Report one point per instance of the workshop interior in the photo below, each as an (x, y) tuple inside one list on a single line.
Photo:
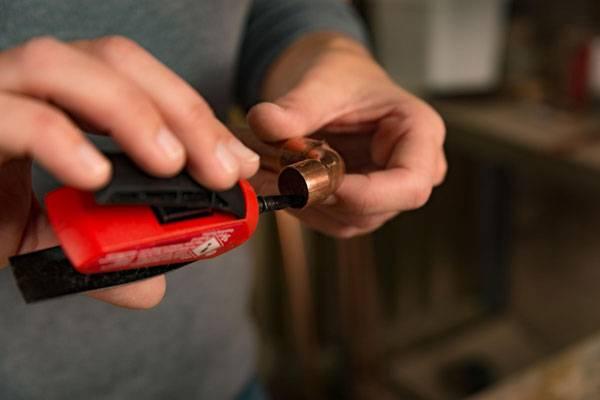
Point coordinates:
[(488, 292), (491, 290)]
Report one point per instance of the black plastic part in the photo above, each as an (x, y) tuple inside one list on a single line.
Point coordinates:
[(167, 215), (280, 202), (132, 186), (47, 274)]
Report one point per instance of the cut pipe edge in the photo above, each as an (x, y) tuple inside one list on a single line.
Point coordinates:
[(309, 179), (306, 167)]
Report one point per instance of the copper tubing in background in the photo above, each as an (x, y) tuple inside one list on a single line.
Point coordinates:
[(306, 167)]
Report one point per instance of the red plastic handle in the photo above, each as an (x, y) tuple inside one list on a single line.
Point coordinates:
[(102, 238)]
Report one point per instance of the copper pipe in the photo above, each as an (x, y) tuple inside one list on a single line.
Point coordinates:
[(306, 167)]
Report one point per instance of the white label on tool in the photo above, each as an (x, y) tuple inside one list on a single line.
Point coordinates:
[(207, 248), (206, 245)]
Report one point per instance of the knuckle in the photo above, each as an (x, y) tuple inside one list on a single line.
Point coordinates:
[(130, 104), (40, 45), (50, 126), (47, 121), (442, 171), (366, 223), (430, 121), (39, 54), (138, 108), (197, 113), (345, 233), (420, 195), (370, 224), (375, 224), (437, 125), (116, 47)]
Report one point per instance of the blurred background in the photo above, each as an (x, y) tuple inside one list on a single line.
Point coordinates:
[(493, 289)]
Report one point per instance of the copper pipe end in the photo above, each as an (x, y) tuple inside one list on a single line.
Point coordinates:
[(308, 178), (306, 167), (311, 169), (314, 178)]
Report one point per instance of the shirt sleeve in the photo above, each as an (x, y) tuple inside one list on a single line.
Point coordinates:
[(273, 25)]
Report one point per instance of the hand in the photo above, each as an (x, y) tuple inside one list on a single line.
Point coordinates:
[(47, 87), (391, 141)]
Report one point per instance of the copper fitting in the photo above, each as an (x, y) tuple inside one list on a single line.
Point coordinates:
[(306, 167)]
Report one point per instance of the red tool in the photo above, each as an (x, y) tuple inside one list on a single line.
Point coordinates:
[(136, 227), (102, 238)]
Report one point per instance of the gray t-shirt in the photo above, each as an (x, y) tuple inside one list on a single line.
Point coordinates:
[(198, 342)]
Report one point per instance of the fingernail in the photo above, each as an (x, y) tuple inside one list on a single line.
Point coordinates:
[(227, 160), (93, 162), (242, 152), (169, 144)]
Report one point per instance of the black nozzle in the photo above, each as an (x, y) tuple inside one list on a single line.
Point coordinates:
[(280, 202)]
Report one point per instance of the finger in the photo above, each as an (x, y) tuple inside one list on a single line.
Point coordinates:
[(329, 219), (312, 104), (317, 220), (393, 190), (410, 173), (215, 156), (32, 128), (390, 132), (410, 118), (441, 169), (332, 225), (139, 295), (366, 223), (48, 69)]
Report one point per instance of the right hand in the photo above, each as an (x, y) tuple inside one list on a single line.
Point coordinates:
[(48, 87)]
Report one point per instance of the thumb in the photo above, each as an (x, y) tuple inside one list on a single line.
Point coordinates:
[(308, 107)]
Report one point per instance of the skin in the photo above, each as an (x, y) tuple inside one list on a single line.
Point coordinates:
[(326, 83), (48, 88), (391, 141)]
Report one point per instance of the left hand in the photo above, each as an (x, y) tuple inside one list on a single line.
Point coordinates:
[(392, 142)]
